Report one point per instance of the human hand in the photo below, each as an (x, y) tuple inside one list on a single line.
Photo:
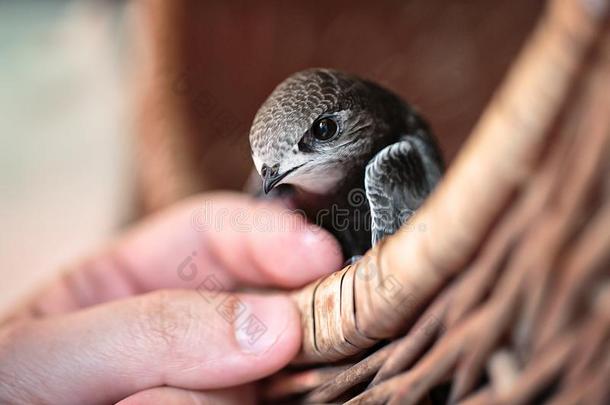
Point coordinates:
[(144, 320)]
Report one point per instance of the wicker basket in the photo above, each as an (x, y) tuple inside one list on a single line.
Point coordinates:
[(498, 290)]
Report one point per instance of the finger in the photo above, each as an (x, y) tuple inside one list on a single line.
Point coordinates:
[(243, 395), (180, 338), (229, 236), (263, 243)]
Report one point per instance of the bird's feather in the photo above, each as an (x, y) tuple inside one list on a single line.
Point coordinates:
[(397, 180)]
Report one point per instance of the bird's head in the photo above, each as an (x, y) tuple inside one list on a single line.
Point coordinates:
[(316, 126)]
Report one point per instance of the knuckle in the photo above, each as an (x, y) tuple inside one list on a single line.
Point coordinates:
[(165, 319)]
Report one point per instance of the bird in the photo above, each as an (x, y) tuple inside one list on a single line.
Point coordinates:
[(350, 154)]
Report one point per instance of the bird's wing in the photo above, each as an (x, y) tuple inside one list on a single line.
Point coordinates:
[(397, 180)]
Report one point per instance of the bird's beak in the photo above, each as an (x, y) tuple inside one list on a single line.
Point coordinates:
[(273, 177)]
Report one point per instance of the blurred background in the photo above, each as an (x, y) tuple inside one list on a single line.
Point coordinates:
[(66, 135), (110, 110)]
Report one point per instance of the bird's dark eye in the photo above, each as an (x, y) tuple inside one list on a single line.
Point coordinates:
[(324, 128)]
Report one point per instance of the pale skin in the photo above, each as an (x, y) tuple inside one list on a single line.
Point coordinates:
[(129, 324)]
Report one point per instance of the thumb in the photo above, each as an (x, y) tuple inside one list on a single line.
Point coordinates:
[(182, 338)]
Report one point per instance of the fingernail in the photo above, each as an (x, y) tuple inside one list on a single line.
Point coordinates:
[(327, 257), (266, 320)]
